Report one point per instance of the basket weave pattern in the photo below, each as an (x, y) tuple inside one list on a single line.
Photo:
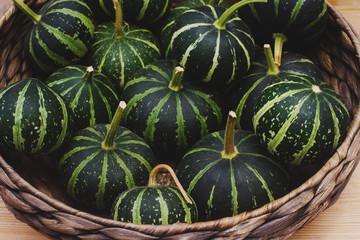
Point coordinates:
[(27, 196)]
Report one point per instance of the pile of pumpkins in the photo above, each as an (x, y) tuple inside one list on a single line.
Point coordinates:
[(145, 87)]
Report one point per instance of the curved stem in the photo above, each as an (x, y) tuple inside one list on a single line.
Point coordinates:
[(273, 68), (152, 179), (279, 42), (176, 79), (108, 143), (25, 9), (221, 22), (118, 33), (230, 150), (89, 74)]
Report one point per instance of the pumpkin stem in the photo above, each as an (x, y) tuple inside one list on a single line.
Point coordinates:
[(108, 143), (221, 22), (176, 79), (118, 33), (89, 74), (273, 68), (25, 9), (279, 42), (230, 150), (154, 172)]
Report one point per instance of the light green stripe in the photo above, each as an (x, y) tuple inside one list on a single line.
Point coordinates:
[(142, 10), (117, 204), (92, 107), (180, 131), (215, 62), (202, 119), (209, 203), (277, 139), (295, 12), (99, 195), (234, 192), (43, 115), (75, 102), (337, 133), (129, 179), (200, 150), (149, 44), (184, 205), (240, 42), (71, 152), (139, 157), (99, 67), (163, 208), (320, 16), (137, 207), (154, 118)]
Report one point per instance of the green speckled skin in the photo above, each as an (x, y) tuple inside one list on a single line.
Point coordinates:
[(33, 118), (169, 121), (92, 101), (153, 205), (120, 58), (95, 177), (226, 187), (62, 37), (298, 124), (242, 94)]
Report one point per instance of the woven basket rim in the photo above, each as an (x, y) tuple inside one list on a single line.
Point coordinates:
[(17, 182)]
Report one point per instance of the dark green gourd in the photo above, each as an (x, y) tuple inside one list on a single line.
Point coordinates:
[(229, 172), (299, 23), (89, 94), (212, 43), (242, 94), (61, 35), (119, 49), (104, 160), (170, 111), (300, 120), (33, 118), (168, 21), (155, 204)]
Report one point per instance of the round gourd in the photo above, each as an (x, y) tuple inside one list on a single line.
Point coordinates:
[(104, 160), (120, 50), (168, 110), (229, 172), (61, 35), (89, 94), (242, 94), (33, 118), (299, 23), (168, 22), (300, 120), (155, 204), (212, 43)]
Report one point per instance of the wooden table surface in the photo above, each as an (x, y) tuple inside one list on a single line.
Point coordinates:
[(340, 221)]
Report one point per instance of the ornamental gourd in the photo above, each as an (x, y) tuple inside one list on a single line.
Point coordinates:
[(155, 204), (229, 172), (103, 160), (297, 23), (89, 94), (170, 111), (33, 118), (241, 96), (300, 120), (213, 44), (62, 33), (119, 49)]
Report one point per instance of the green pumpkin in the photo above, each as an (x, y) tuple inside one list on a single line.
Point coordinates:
[(169, 110), (104, 160), (33, 118), (120, 50), (89, 94), (241, 96), (155, 204), (300, 120), (61, 35), (213, 44), (230, 172)]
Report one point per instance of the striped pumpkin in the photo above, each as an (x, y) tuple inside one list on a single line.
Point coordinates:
[(300, 120), (213, 44), (168, 22), (33, 118), (299, 23), (102, 161), (61, 35), (168, 110), (229, 172), (89, 94), (154, 204), (120, 50), (241, 96)]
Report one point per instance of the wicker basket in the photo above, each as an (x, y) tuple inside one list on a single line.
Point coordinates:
[(35, 198)]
